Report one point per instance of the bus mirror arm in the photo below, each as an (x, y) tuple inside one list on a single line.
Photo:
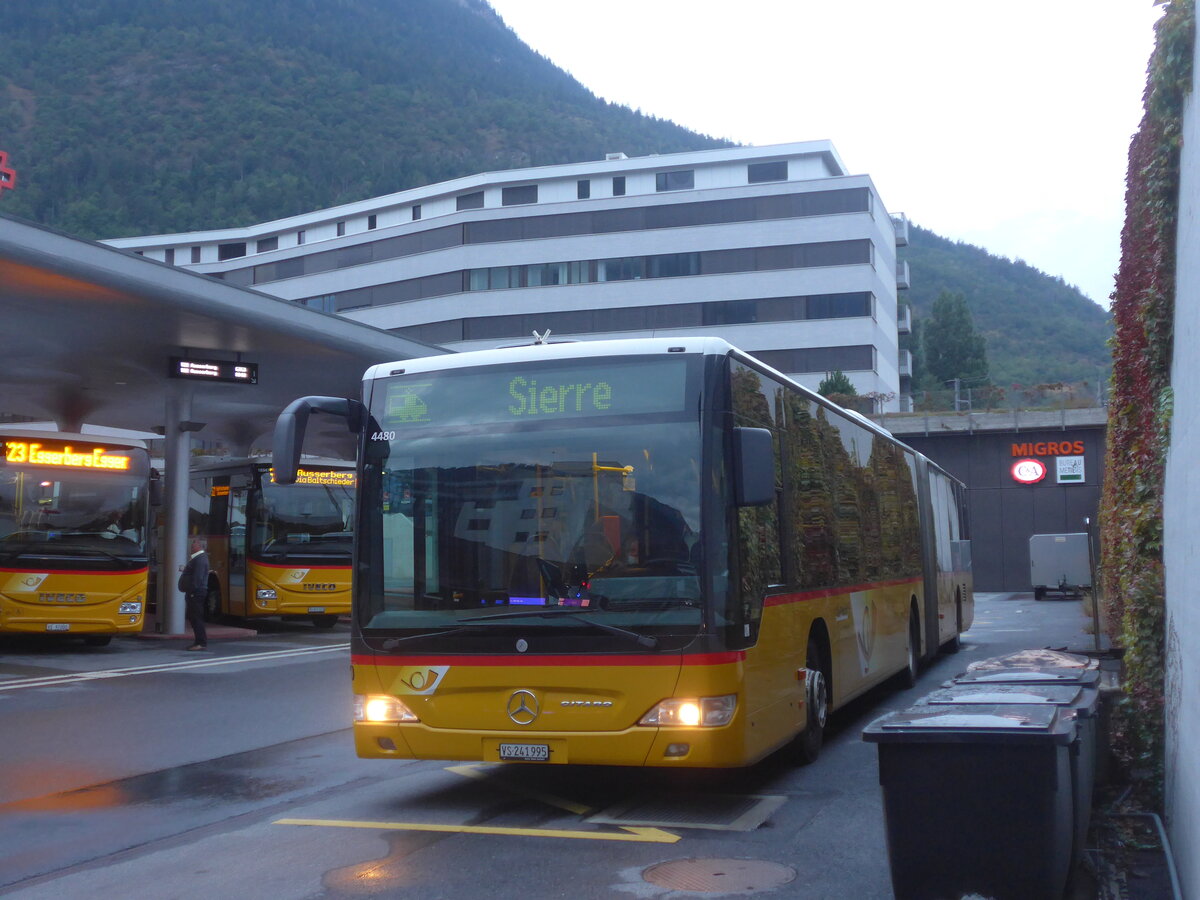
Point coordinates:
[(754, 466), (293, 422)]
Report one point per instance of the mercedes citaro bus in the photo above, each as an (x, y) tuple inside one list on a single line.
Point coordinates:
[(74, 527), (643, 552), (275, 550)]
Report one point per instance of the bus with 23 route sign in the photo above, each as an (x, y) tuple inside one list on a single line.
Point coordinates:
[(74, 532)]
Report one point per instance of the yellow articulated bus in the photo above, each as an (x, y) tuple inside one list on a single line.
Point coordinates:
[(275, 550), (74, 514), (644, 553)]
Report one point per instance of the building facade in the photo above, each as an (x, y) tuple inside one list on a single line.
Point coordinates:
[(775, 249), (1008, 499)]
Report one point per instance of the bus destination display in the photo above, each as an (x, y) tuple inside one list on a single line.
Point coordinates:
[(537, 393), (41, 453), (338, 477)]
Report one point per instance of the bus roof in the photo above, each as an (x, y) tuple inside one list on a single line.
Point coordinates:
[(708, 346), (16, 431), (541, 352)]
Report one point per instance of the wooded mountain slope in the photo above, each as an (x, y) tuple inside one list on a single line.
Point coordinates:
[(142, 116), (127, 117), (1038, 328)]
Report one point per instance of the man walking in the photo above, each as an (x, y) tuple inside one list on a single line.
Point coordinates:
[(193, 581)]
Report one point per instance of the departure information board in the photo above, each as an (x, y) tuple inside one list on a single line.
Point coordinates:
[(213, 370)]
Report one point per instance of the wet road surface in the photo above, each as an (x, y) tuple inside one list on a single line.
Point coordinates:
[(239, 779)]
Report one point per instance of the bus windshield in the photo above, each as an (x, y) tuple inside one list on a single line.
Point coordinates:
[(483, 526), (86, 514), (312, 518)]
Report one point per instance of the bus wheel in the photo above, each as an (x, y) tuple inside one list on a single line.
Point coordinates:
[(212, 604), (98, 640), (808, 743), (955, 643), (909, 676), (324, 621)]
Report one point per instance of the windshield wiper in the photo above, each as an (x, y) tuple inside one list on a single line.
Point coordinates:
[(640, 639), (393, 643)]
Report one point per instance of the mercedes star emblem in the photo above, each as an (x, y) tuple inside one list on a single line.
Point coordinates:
[(523, 707)]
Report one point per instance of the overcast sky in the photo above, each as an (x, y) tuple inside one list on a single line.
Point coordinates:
[(1006, 125)]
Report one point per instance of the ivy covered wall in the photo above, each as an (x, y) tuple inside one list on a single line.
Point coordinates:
[(1141, 400)]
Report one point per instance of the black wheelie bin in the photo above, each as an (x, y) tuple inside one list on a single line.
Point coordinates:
[(978, 798), (1076, 700)]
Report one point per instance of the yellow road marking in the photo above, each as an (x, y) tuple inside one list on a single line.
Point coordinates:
[(638, 835), (484, 774)]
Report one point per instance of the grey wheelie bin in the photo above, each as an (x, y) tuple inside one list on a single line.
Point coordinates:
[(977, 799), (1081, 702)]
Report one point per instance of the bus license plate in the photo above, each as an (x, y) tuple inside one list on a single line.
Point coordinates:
[(58, 626), (527, 752), (316, 609)]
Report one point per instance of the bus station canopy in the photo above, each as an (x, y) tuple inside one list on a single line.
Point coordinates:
[(89, 333)]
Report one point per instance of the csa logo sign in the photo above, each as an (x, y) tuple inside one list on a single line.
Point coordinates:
[(1028, 471)]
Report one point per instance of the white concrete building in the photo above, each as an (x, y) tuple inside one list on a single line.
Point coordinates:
[(775, 249), (1181, 541)]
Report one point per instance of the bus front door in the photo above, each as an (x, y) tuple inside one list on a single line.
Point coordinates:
[(237, 550)]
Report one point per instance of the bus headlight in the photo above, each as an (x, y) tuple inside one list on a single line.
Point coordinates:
[(381, 709), (265, 593), (130, 609), (703, 712)]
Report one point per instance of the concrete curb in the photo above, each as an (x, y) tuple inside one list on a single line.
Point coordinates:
[(214, 633)]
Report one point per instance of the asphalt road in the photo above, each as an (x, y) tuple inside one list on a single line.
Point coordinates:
[(140, 770)]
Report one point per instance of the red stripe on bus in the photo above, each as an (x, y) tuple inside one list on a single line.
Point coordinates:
[(73, 572), (783, 599), (689, 659)]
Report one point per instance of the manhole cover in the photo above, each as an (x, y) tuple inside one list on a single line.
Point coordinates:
[(719, 876)]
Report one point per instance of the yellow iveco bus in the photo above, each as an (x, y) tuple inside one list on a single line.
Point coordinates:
[(74, 514), (275, 550), (642, 552)]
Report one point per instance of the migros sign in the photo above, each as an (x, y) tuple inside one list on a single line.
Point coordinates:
[(1049, 448)]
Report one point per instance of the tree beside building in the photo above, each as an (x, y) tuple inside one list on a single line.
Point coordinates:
[(951, 346)]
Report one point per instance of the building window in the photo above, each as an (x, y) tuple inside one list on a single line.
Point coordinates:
[(169, 256), (267, 244), (683, 180), (300, 237), (583, 188), (195, 254), (341, 228), (416, 212), (328, 303), (859, 358), (372, 222), (757, 173), (618, 185), (231, 251), (516, 196), (469, 201)]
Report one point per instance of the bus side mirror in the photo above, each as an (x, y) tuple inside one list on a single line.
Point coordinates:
[(753, 466), (292, 423), (156, 488)]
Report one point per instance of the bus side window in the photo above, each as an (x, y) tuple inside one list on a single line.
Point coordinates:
[(755, 404)]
